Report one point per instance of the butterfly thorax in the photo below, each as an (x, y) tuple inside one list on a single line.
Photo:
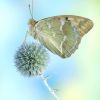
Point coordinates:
[(32, 24)]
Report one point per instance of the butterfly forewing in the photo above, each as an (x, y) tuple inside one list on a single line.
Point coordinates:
[(62, 34)]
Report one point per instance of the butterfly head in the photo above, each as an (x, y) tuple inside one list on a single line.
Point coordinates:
[(31, 22)]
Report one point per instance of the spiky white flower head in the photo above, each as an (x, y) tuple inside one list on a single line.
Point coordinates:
[(31, 59)]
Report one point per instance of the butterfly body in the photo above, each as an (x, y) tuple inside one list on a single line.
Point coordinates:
[(60, 34)]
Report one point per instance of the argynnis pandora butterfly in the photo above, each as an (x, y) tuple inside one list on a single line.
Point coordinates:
[(60, 34)]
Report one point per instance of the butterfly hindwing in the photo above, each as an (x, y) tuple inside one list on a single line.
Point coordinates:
[(62, 34)]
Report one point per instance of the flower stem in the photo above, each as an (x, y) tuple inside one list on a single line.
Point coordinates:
[(49, 88)]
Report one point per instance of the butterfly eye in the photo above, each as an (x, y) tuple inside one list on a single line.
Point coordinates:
[(66, 18)]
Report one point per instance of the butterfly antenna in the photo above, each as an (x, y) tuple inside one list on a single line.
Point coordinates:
[(32, 8), (31, 12)]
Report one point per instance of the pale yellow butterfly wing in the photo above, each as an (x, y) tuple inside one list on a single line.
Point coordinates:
[(62, 34)]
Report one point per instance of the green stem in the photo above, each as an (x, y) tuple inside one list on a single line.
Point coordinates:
[(49, 88)]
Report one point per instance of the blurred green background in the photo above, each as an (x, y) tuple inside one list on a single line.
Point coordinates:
[(76, 78)]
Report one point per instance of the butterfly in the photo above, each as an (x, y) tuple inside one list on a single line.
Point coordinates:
[(60, 34)]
